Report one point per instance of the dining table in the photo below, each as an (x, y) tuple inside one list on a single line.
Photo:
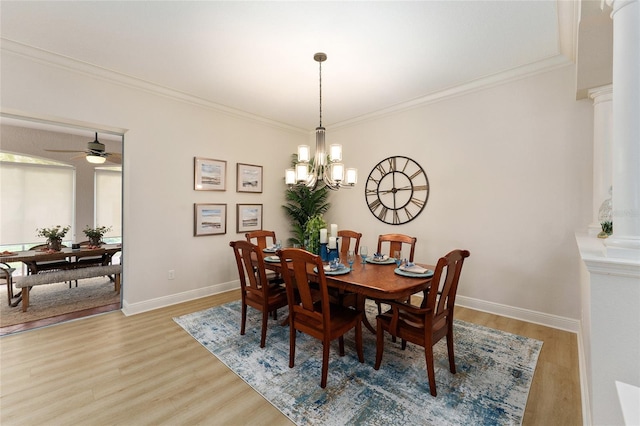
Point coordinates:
[(380, 281), (31, 257)]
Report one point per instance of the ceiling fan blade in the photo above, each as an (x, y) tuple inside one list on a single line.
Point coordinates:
[(115, 159), (62, 150), (76, 157)]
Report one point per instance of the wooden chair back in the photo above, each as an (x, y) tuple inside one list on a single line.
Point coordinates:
[(260, 238), (310, 310), (254, 287), (348, 237), (395, 242), (432, 320)]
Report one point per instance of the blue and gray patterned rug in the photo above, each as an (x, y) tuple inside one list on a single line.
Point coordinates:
[(491, 386)]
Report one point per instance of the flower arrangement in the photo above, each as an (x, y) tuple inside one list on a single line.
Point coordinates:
[(95, 234), (55, 233)]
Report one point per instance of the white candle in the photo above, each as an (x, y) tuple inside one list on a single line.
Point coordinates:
[(334, 230), (323, 235), (332, 242)]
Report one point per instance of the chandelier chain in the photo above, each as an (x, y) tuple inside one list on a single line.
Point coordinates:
[(320, 94)]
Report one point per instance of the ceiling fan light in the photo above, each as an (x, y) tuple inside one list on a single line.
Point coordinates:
[(95, 159)]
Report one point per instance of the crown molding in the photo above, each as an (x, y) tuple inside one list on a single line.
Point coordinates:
[(93, 71), (518, 73), (74, 65)]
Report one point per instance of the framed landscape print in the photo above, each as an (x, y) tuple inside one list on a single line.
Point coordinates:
[(248, 217), (249, 178), (210, 219), (209, 174)]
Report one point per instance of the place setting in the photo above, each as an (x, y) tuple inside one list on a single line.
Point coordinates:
[(410, 269), (334, 267)]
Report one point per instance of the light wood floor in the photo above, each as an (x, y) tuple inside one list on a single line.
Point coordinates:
[(145, 370)]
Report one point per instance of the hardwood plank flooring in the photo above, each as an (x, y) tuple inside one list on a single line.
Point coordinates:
[(145, 370)]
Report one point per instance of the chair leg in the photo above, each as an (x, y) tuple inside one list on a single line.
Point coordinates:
[(263, 333), (428, 354), (359, 342), (452, 361), (243, 321), (292, 343), (325, 363), (379, 344), (341, 345)]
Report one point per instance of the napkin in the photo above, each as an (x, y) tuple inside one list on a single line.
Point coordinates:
[(412, 267), (327, 268), (380, 257)]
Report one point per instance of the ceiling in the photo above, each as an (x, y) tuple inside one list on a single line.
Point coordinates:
[(257, 57)]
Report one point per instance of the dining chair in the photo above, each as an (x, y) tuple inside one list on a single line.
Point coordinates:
[(426, 324), (49, 265), (310, 310), (346, 238), (6, 274), (87, 261), (254, 286), (259, 238), (396, 242)]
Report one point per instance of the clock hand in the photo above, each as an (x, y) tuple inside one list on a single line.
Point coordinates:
[(404, 188)]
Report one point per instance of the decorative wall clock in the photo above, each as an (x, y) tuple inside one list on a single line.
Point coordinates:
[(397, 190)]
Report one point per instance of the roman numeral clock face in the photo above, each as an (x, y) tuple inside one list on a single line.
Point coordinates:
[(397, 190)]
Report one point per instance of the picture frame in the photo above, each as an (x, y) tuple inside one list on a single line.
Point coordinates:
[(209, 219), (248, 217), (248, 178), (209, 174)]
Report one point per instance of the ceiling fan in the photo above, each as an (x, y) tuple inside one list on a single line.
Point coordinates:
[(95, 153)]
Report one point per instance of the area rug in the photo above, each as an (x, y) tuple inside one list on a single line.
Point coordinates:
[(494, 373), (50, 300)]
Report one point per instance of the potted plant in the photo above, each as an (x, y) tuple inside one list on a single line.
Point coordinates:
[(95, 234), (54, 236), (303, 204)]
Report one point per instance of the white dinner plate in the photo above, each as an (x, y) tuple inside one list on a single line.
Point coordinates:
[(274, 259), (342, 271), (413, 274), (387, 261)]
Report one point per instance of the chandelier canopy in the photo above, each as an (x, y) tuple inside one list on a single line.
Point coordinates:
[(327, 165)]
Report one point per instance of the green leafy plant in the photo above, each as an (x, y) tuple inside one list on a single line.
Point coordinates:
[(54, 233), (312, 233), (96, 234), (303, 204), (607, 227)]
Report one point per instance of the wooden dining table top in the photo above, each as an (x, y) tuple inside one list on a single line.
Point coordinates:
[(29, 256), (372, 280)]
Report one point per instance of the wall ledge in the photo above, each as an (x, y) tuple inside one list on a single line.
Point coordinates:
[(595, 255)]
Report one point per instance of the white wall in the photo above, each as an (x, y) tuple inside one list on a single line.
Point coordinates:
[(509, 168), (162, 139)]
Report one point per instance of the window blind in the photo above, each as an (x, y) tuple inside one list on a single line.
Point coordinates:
[(34, 196)]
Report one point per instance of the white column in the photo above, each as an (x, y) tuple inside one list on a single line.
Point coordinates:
[(625, 241), (602, 136)]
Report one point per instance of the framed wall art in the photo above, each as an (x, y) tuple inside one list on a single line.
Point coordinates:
[(209, 219), (209, 174), (248, 178), (248, 217)]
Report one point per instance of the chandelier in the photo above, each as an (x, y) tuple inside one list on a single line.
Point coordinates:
[(326, 166)]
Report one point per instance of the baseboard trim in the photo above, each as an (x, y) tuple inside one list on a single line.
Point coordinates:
[(553, 321), (173, 299)]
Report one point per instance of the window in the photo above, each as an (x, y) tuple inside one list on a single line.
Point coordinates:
[(108, 202), (35, 194)]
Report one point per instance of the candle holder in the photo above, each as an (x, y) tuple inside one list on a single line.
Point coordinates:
[(333, 253), (324, 255)]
